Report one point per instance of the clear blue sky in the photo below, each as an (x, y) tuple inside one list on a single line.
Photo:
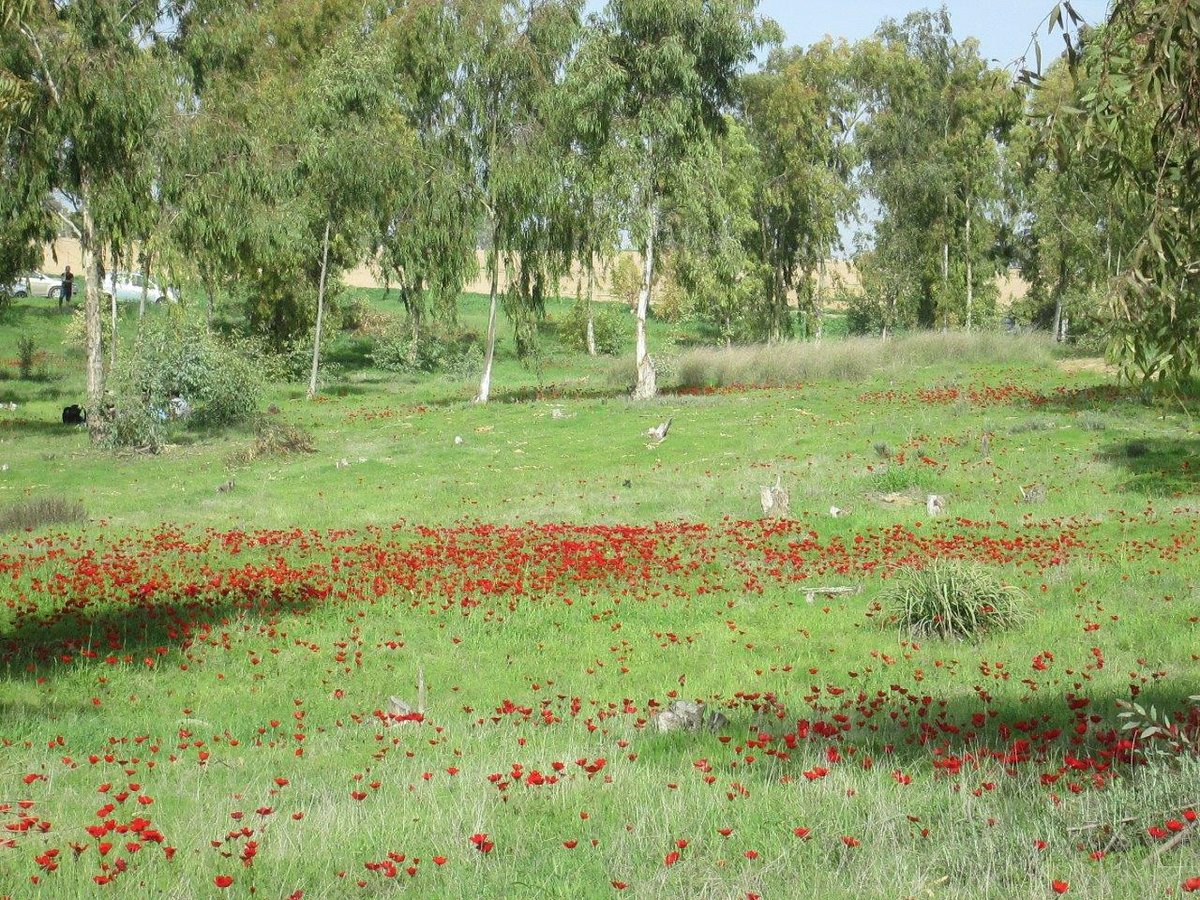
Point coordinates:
[(1002, 26)]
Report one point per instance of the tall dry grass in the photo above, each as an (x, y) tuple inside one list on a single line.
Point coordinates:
[(855, 359)]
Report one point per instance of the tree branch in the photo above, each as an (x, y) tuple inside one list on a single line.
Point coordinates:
[(58, 212), (37, 48)]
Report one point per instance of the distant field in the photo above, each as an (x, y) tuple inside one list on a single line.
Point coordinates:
[(195, 686)]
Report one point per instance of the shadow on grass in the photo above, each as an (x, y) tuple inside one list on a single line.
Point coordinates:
[(37, 428), (1157, 467)]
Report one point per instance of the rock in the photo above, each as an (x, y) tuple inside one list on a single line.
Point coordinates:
[(659, 431), (342, 463), (1033, 493), (687, 715), (935, 504), (458, 440), (776, 503)]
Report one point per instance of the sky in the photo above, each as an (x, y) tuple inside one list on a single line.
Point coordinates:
[(1003, 27)]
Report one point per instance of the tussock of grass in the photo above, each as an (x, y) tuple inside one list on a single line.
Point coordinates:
[(953, 599), (274, 439), (39, 512), (853, 359)]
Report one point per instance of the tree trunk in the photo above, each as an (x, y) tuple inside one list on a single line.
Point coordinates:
[(485, 383), (818, 318), (591, 322), (112, 343), (1060, 291), (312, 380), (91, 304), (210, 295), (647, 386), (970, 286), (145, 283)]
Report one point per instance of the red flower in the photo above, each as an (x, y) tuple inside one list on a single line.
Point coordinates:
[(223, 881), (850, 841), (1060, 887), (1191, 885), (481, 843), (671, 858), (801, 832)]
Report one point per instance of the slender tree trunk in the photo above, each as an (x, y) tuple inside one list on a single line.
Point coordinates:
[(91, 302), (970, 286), (591, 322), (485, 383), (145, 283), (1060, 291), (312, 380), (210, 296), (818, 316), (647, 385)]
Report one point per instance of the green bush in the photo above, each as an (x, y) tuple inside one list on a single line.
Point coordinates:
[(174, 355), (26, 355), (430, 351), (608, 327), (952, 599)]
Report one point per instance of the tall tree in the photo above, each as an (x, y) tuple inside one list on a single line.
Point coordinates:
[(932, 148), (801, 110), (674, 66), (515, 62), (97, 90)]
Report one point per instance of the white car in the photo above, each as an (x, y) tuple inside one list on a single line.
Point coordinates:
[(43, 285), (16, 289), (127, 288)]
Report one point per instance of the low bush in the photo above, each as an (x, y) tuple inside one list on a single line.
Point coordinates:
[(952, 599), (38, 512), (173, 356), (456, 354), (608, 327), (274, 439)]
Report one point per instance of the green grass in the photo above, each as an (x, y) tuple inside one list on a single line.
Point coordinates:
[(184, 636)]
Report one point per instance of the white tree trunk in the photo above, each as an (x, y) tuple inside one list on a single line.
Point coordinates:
[(316, 362), (91, 304), (112, 343), (591, 322), (970, 286), (485, 383), (647, 386), (145, 283)]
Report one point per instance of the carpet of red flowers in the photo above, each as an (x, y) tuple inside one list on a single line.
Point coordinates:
[(170, 602)]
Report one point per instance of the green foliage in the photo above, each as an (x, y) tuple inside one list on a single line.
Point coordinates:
[(172, 356), (951, 598), (455, 353), (609, 329), (26, 355), (626, 279)]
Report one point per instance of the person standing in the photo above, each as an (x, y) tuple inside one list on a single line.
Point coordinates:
[(68, 287)]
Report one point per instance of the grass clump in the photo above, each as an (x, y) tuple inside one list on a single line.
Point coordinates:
[(274, 439), (953, 599), (853, 359), (38, 512)]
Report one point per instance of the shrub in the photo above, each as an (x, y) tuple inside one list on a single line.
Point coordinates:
[(455, 353), (626, 280), (75, 332), (26, 354), (40, 512), (608, 321), (173, 356), (952, 599), (272, 438)]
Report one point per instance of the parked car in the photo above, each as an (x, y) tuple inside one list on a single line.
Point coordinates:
[(127, 288), (43, 285), (18, 288)]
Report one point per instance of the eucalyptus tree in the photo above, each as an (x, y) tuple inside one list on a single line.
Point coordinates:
[(351, 143), (801, 111), (95, 90), (714, 237), (426, 231), (931, 146), (516, 60), (1139, 115), (672, 72)]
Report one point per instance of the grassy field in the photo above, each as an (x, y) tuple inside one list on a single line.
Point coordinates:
[(195, 682)]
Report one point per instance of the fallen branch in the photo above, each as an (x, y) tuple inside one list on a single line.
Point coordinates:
[(811, 593), (1179, 838)]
